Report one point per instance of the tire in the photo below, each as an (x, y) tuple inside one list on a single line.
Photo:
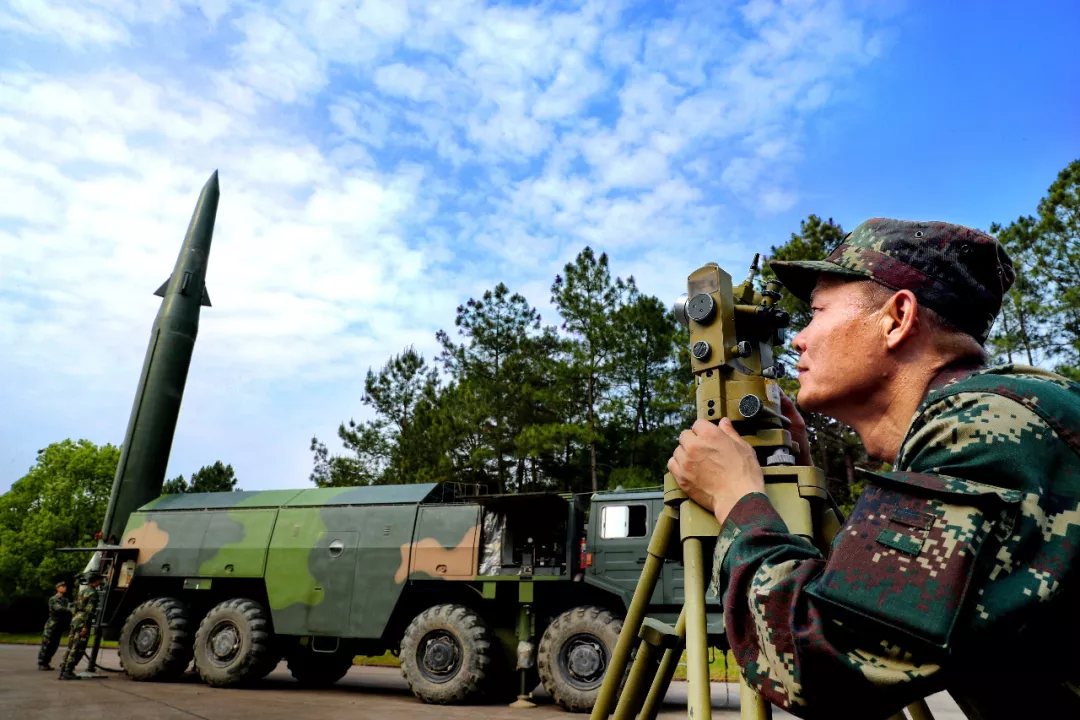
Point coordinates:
[(574, 654), (156, 642), (447, 654), (234, 644), (318, 670)]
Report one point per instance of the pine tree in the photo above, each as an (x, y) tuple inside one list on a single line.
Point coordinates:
[(493, 365), (587, 299), (209, 478)]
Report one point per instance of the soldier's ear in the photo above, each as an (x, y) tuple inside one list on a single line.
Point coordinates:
[(899, 318)]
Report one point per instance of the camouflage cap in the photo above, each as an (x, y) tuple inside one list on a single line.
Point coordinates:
[(61, 584), (960, 273)]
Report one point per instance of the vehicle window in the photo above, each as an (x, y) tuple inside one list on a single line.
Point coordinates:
[(624, 521), (639, 521)]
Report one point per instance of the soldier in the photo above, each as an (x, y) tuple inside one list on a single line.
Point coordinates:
[(957, 569), (82, 623), (59, 610)]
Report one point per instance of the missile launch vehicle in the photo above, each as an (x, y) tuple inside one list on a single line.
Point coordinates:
[(480, 596)]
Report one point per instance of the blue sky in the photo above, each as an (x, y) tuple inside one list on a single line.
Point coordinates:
[(381, 162)]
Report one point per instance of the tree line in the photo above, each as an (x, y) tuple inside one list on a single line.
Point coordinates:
[(597, 399)]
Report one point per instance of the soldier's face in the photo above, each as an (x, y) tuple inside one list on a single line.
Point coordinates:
[(840, 352)]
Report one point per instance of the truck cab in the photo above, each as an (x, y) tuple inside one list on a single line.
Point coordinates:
[(617, 540)]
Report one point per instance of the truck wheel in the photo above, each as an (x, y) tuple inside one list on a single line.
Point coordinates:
[(574, 654), (155, 642), (445, 654), (234, 644), (316, 669)]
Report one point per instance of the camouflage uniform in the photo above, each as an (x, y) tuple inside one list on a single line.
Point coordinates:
[(59, 610), (82, 625), (958, 569)]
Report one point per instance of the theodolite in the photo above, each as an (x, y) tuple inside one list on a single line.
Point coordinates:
[(733, 333)]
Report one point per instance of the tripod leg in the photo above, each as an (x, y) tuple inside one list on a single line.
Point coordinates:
[(697, 640), (640, 673), (751, 705), (635, 614), (662, 681), (656, 637)]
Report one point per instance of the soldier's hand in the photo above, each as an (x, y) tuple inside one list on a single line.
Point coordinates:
[(797, 429), (716, 467), (84, 633)]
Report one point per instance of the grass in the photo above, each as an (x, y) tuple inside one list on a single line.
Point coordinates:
[(384, 660), (716, 666)]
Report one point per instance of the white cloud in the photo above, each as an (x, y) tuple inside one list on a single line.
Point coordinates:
[(402, 81), (275, 61), (574, 83), (76, 24)]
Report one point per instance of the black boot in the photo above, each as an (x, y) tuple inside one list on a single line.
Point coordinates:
[(66, 674), (45, 667)]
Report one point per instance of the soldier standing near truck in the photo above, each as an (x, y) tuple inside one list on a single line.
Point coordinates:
[(83, 621), (59, 610)]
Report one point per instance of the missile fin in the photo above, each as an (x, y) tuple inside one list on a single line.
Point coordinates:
[(205, 298), (160, 292)]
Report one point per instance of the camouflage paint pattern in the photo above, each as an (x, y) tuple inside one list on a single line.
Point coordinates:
[(176, 536), (332, 559), (972, 539), (169, 543), (235, 543), (447, 545)]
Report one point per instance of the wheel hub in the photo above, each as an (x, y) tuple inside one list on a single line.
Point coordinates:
[(440, 657), (583, 659), (224, 642), (147, 639)]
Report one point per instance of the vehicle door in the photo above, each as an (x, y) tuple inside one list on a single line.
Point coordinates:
[(622, 544)]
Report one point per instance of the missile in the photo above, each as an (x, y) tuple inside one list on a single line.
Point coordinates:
[(144, 455)]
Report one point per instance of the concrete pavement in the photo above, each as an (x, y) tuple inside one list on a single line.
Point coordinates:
[(366, 692)]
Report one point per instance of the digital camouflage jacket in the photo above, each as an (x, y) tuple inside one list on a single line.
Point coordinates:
[(85, 609), (59, 606), (955, 571)]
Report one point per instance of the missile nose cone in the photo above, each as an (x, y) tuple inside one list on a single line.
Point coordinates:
[(211, 191), (201, 229)]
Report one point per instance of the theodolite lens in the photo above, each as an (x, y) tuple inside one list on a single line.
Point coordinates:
[(749, 406), (679, 308)]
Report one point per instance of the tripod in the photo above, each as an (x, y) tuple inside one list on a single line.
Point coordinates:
[(733, 331)]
